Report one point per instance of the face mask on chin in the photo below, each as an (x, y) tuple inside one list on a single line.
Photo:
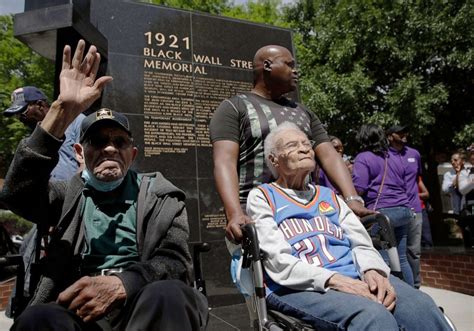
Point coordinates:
[(99, 185)]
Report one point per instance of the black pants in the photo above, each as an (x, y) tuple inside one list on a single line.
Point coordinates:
[(466, 223), (162, 305)]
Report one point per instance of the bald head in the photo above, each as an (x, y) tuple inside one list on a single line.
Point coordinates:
[(269, 52), (274, 70)]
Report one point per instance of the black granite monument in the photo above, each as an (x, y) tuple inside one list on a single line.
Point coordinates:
[(171, 69)]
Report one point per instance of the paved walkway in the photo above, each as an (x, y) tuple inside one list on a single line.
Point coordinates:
[(459, 307)]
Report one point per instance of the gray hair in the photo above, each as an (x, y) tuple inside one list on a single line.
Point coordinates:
[(269, 145)]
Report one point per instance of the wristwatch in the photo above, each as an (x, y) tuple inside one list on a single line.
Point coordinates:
[(356, 198)]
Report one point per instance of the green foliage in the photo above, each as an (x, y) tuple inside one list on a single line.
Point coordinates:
[(207, 6), (259, 11), (19, 66), (14, 224), (388, 62)]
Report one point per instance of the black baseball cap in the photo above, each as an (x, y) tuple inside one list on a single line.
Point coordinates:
[(396, 128), (101, 116), (21, 97)]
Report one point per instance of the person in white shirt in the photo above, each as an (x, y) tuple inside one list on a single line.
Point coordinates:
[(451, 180)]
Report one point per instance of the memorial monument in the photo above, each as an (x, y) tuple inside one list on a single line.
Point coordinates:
[(171, 69)]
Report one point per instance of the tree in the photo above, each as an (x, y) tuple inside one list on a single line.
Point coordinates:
[(389, 62), (19, 66), (207, 6), (259, 11)]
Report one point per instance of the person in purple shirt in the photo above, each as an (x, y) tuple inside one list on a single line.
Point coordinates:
[(397, 139), (379, 177)]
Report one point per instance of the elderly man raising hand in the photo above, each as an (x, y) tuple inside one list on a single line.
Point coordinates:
[(118, 256)]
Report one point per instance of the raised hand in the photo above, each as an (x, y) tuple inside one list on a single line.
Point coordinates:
[(79, 86), (233, 231)]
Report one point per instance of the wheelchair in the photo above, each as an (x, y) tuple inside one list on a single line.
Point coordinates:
[(20, 299), (264, 319)]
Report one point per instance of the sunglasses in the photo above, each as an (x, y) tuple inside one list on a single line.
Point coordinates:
[(27, 109), (102, 141)]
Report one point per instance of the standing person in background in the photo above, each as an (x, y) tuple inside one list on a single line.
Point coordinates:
[(240, 125), (349, 163), (322, 177), (450, 183), (466, 188), (118, 257), (397, 138), (30, 105), (424, 195), (379, 177)]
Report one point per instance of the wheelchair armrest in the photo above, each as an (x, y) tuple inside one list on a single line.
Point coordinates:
[(383, 238), (379, 228)]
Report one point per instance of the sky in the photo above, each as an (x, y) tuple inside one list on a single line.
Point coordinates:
[(16, 6), (11, 6)]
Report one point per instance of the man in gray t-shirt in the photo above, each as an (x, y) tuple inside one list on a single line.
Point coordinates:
[(240, 125)]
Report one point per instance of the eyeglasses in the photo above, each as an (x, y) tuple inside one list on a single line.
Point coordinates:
[(293, 146), (102, 141)]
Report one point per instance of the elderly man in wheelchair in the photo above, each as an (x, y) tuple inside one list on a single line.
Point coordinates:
[(320, 264)]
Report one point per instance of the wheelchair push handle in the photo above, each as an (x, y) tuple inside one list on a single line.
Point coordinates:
[(250, 242), (383, 238), (383, 228)]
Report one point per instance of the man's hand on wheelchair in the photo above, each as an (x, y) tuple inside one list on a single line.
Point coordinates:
[(359, 209), (233, 231), (93, 297), (380, 286)]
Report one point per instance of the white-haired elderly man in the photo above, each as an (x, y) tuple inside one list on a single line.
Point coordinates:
[(321, 265)]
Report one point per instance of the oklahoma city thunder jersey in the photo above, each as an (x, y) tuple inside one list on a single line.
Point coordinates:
[(312, 229)]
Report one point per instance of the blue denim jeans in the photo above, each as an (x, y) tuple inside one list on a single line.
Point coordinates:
[(400, 217), (414, 247), (333, 310)]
